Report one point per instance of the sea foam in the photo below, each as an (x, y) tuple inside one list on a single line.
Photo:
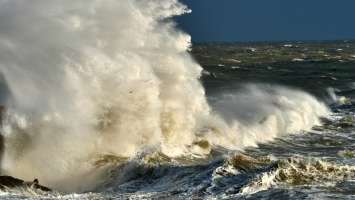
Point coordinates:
[(88, 78)]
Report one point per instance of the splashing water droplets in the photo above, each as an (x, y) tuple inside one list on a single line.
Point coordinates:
[(114, 78)]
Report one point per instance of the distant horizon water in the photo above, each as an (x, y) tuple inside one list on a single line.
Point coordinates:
[(275, 41)]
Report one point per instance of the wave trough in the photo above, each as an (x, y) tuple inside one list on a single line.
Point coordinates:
[(92, 78)]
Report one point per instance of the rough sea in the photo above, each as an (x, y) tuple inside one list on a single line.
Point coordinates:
[(110, 100)]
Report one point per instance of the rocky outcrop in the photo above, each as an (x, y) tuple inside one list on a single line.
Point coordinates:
[(11, 182)]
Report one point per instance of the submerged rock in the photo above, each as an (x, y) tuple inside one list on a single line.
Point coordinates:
[(11, 182)]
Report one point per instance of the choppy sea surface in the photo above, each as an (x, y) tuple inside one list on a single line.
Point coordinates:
[(315, 164), (109, 100)]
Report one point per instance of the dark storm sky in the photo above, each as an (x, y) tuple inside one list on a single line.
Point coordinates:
[(265, 20)]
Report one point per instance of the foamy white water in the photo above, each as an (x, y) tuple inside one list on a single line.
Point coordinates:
[(87, 78)]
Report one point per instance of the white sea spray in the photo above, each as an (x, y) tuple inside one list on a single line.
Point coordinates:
[(87, 78)]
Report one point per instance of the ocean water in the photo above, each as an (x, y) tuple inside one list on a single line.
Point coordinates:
[(110, 100)]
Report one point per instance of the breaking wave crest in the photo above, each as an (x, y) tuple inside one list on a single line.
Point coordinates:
[(87, 80), (254, 174)]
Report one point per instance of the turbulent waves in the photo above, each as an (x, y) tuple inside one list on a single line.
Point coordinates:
[(104, 98), (91, 78), (244, 176)]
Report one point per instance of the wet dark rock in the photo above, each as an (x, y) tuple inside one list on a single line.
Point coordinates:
[(11, 182)]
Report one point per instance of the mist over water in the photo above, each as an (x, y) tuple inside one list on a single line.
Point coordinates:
[(90, 78)]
